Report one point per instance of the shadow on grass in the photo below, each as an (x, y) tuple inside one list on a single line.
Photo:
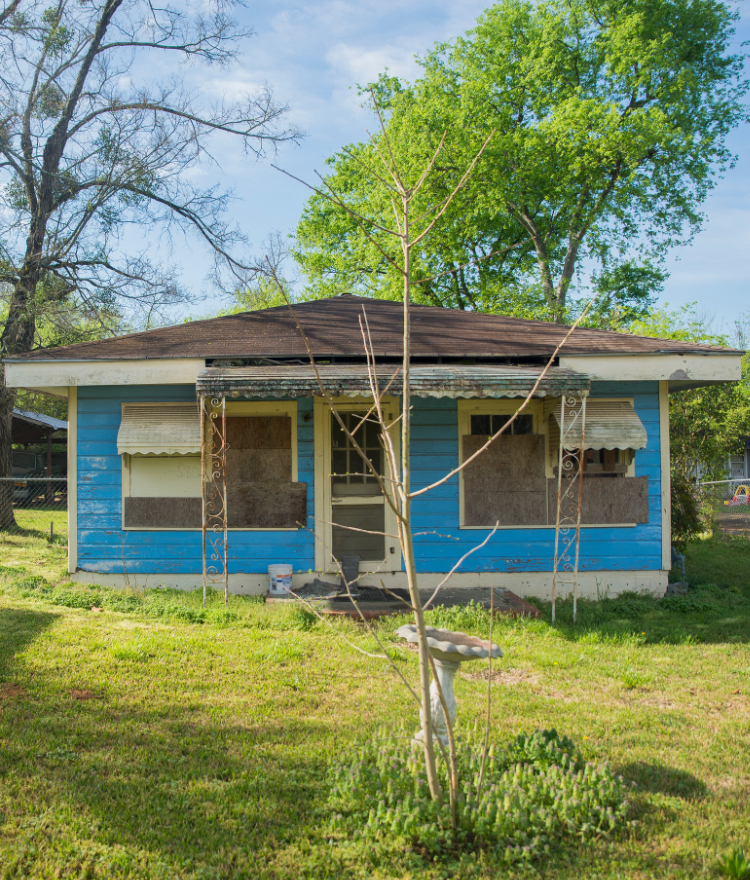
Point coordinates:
[(171, 785), (660, 779), (18, 628)]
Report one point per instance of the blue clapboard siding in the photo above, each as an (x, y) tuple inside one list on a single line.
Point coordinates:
[(104, 547), (435, 447)]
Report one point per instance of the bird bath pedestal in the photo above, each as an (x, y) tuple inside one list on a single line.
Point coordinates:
[(449, 650)]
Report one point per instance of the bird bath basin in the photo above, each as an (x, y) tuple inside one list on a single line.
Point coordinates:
[(449, 650)]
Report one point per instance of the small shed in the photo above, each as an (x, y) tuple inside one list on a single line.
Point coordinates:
[(33, 427)]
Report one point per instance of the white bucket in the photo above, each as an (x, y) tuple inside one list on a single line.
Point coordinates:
[(279, 580)]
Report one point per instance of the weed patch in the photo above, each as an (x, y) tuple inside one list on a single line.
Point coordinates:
[(538, 792)]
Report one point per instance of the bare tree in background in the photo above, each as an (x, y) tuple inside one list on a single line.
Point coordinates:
[(92, 147)]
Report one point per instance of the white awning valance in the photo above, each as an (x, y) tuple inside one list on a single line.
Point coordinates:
[(610, 424), (160, 429)]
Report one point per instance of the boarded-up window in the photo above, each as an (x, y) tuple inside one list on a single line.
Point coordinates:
[(506, 484), (608, 501), (260, 490), (612, 434), (162, 513), (164, 491)]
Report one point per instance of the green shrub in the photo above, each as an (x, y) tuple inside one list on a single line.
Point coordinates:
[(74, 598), (688, 605), (688, 521), (537, 791), (734, 864)]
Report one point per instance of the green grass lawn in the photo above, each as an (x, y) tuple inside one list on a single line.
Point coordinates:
[(162, 741)]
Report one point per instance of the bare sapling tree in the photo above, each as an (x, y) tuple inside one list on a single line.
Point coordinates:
[(412, 224), (95, 159)]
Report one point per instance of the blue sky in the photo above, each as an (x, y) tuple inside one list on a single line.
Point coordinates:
[(312, 54)]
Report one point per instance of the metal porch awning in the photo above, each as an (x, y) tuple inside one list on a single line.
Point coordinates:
[(352, 380)]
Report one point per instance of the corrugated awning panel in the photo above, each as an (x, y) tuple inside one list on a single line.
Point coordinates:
[(610, 424), (352, 380), (159, 429)]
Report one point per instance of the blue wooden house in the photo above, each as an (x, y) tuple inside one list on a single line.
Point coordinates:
[(141, 457)]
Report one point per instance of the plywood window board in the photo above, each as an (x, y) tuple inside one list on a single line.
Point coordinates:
[(261, 493), (608, 500), (162, 513), (506, 484)]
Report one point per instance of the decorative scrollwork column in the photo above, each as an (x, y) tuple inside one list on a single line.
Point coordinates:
[(569, 498), (214, 493)]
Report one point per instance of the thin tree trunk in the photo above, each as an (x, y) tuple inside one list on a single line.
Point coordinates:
[(405, 526)]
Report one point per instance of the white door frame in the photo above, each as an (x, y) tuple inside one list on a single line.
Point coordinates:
[(323, 502)]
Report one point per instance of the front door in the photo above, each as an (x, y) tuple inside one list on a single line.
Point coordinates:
[(359, 522)]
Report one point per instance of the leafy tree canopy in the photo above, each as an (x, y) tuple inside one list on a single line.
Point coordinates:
[(610, 120), (706, 424)]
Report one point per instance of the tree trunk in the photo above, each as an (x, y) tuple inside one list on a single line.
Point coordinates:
[(7, 402), (17, 338)]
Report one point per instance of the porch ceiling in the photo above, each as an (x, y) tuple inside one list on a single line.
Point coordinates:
[(352, 380)]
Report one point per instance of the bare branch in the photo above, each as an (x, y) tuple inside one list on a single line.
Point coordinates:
[(453, 194), (458, 564), (520, 409)]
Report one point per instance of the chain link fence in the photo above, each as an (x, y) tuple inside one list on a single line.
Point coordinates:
[(34, 503), (726, 506)]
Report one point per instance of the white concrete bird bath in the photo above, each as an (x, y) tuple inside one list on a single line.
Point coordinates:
[(449, 650)]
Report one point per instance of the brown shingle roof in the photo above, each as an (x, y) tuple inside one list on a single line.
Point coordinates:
[(332, 329)]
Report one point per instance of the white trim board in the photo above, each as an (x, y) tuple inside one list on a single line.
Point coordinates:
[(713, 367), (44, 375), (72, 479), (666, 480), (591, 584)]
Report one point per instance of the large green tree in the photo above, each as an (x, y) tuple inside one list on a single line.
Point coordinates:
[(610, 120)]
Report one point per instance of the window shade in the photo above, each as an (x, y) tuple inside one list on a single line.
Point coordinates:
[(610, 424), (160, 429)]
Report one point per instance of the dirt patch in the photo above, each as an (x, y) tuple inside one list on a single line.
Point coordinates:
[(83, 694), (10, 691), (507, 677)]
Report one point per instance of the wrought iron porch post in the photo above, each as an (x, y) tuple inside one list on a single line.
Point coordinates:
[(214, 493), (569, 498)]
